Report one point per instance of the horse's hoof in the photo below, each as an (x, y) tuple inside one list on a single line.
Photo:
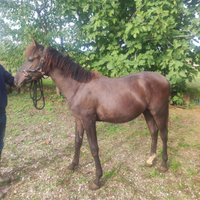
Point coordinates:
[(70, 168), (148, 165), (163, 169), (93, 186)]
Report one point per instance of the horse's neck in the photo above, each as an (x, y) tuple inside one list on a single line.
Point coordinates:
[(63, 82)]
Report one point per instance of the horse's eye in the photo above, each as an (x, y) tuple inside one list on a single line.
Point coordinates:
[(31, 59)]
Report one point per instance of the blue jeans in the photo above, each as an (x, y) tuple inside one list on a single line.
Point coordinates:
[(2, 129)]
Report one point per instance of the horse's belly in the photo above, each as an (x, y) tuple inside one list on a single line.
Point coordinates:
[(119, 114)]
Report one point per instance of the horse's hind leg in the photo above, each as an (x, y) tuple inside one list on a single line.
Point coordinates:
[(161, 121), (154, 135), (79, 131)]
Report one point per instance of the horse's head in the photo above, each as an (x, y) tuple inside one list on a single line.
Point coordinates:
[(31, 69)]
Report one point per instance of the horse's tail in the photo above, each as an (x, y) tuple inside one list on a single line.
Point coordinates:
[(169, 99), (167, 116)]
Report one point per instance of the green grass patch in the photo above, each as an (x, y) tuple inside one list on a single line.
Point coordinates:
[(48, 83), (175, 165), (110, 174), (155, 173), (191, 171)]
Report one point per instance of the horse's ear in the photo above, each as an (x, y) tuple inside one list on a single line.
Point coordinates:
[(35, 43)]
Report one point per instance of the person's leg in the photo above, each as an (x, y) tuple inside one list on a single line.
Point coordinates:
[(2, 134), (2, 130)]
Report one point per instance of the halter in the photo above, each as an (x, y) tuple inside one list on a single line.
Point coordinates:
[(38, 69), (36, 82)]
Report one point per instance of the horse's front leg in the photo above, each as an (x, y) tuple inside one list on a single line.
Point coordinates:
[(90, 128), (79, 131)]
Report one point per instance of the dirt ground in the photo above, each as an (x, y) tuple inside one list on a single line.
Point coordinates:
[(39, 145)]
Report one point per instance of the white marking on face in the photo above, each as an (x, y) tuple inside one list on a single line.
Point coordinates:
[(151, 158)]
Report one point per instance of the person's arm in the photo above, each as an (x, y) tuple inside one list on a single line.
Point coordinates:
[(9, 79)]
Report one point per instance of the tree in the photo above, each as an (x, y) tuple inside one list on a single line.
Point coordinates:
[(20, 20), (133, 36), (114, 37)]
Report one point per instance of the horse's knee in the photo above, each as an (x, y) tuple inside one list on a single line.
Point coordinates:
[(154, 138), (154, 130), (95, 152), (164, 139), (77, 145)]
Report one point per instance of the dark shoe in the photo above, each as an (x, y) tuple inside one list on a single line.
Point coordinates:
[(4, 179)]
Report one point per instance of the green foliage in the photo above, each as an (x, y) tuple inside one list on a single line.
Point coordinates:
[(114, 37), (133, 36), (193, 92), (177, 99), (44, 20), (9, 52)]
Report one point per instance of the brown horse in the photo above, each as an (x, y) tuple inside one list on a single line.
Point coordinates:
[(92, 97)]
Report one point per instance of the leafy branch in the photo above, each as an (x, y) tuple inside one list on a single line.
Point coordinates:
[(38, 10)]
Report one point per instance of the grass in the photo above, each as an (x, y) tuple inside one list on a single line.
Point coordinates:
[(110, 174), (175, 165), (39, 145), (192, 171), (48, 83), (155, 173)]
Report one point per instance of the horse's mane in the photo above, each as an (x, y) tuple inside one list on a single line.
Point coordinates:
[(56, 59)]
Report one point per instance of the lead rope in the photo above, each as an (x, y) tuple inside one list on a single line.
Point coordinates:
[(33, 95)]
